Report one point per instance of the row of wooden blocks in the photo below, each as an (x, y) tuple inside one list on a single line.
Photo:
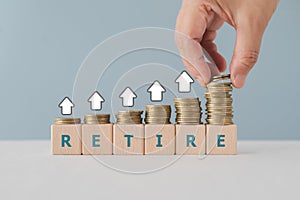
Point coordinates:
[(165, 139)]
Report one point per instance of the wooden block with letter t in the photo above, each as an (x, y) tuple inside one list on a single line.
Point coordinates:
[(66, 139), (128, 139), (97, 139), (190, 139), (160, 139), (221, 140)]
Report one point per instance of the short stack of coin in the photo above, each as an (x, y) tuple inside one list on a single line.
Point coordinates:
[(97, 119), (219, 101), (188, 110), (67, 120), (158, 114), (129, 117)]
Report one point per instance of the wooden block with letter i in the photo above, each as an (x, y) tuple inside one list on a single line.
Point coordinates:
[(190, 139), (160, 139), (221, 140), (66, 136), (128, 139)]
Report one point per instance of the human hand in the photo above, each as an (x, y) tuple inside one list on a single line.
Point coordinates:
[(196, 26)]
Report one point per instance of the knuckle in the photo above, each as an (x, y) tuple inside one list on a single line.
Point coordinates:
[(248, 59)]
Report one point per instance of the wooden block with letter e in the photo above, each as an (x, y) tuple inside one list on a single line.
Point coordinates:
[(160, 139), (221, 140), (190, 139), (97, 139), (66, 138), (128, 139)]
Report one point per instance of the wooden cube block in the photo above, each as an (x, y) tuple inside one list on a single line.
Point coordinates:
[(221, 140), (190, 139), (66, 139), (128, 139), (97, 139), (160, 139)]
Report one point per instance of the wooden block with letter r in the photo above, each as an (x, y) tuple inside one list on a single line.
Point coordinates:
[(97, 139), (160, 139), (190, 139), (221, 140), (66, 139), (128, 139)]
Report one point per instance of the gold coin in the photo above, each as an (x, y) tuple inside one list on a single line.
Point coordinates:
[(219, 100), (67, 120), (221, 77), (97, 118), (188, 110), (158, 114), (129, 117)]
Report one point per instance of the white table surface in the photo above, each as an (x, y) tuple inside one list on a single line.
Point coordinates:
[(262, 170)]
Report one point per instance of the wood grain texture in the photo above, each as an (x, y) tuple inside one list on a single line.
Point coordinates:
[(185, 132), (70, 130), (120, 142), (103, 132), (221, 140), (160, 139)]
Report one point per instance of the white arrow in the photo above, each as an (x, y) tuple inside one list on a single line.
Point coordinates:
[(156, 90), (184, 81), (127, 97), (66, 106), (96, 101)]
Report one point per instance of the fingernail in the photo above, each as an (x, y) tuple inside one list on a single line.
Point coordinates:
[(239, 80), (201, 81)]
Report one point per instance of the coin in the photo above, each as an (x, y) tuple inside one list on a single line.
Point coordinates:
[(67, 120), (188, 110), (158, 114), (129, 117), (219, 109), (97, 118), (221, 77)]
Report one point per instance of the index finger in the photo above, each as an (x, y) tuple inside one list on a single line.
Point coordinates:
[(190, 27)]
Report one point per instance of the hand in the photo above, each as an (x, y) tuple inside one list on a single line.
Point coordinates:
[(197, 23)]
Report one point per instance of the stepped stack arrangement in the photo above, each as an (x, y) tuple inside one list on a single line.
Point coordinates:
[(129, 135)]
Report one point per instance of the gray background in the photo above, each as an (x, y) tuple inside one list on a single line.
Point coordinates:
[(43, 43)]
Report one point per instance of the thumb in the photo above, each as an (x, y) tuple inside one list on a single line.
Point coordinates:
[(246, 50)]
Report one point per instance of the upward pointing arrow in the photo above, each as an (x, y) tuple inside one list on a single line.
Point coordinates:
[(127, 97), (66, 106), (156, 90), (96, 101), (184, 81)]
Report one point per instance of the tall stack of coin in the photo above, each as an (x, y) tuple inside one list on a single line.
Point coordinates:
[(158, 114), (188, 110), (97, 119), (129, 117), (219, 101), (67, 120)]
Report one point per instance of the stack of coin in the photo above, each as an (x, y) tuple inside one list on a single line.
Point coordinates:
[(96, 119), (67, 120), (158, 114), (129, 117), (219, 101), (188, 110)]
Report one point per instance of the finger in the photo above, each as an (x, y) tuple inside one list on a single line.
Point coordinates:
[(192, 56), (192, 19), (218, 59), (192, 71), (211, 48), (246, 52), (190, 27)]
